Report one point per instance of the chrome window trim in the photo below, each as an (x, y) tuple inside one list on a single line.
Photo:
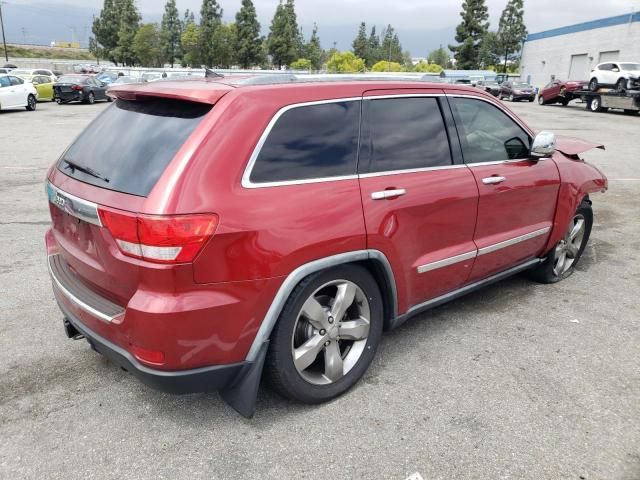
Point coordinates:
[(270, 318), (74, 206), (246, 176), (512, 241), (247, 183), (527, 130), (427, 267), (74, 299), (402, 95), (410, 170)]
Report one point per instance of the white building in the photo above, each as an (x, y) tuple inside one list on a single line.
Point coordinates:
[(569, 53)]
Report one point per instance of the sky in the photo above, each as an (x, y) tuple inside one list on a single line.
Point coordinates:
[(421, 24)]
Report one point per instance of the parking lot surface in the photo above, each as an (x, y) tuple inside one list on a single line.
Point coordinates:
[(519, 380)]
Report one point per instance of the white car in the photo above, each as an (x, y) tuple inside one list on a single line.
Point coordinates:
[(621, 75), (16, 93)]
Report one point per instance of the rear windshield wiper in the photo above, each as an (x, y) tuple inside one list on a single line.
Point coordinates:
[(88, 170)]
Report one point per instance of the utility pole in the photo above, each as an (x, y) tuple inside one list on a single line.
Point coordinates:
[(4, 41)]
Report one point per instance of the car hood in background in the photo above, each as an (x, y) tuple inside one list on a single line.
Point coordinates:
[(574, 146)]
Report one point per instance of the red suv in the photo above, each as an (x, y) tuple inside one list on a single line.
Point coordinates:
[(203, 230)]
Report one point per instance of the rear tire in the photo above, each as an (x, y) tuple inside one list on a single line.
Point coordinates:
[(593, 84), (31, 103), (307, 360), (91, 98), (565, 255), (540, 100)]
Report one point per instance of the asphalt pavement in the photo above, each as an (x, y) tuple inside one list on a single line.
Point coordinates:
[(517, 381)]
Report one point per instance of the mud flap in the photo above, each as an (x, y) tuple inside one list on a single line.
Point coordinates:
[(242, 394)]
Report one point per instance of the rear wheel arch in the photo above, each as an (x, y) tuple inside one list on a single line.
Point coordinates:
[(376, 263)]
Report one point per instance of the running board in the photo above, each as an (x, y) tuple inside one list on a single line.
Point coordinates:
[(447, 297)]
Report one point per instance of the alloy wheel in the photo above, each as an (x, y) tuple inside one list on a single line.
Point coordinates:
[(568, 248), (330, 332)]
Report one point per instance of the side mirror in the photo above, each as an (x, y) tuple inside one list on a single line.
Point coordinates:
[(615, 69), (544, 144)]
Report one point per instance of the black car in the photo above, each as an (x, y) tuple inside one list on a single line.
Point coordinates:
[(489, 86), (79, 88), (514, 91)]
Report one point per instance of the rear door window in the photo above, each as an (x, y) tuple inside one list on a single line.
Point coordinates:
[(404, 133), (128, 146), (310, 142)]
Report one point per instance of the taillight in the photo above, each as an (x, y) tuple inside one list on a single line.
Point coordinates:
[(148, 356), (76, 87), (159, 239)]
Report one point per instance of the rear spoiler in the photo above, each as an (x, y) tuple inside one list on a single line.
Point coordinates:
[(191, 91), (572, 146)]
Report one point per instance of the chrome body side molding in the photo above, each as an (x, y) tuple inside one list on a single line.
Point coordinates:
[(447, 297), (445, 262), (74, 206), (513, 241), (264, 332)]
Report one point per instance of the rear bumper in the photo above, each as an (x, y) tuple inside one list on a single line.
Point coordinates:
[(203, 379), (524, 96), (69, 96)]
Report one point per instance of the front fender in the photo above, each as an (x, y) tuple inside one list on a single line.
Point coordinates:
[(578, 179)]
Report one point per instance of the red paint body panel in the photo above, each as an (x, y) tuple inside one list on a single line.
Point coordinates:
[(575, 146), (523, 203), (433, 221)]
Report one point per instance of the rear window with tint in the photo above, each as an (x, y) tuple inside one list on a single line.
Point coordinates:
[(405, 133), (131, 143), (308, 142)]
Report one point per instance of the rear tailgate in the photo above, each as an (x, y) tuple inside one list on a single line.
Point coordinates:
[(114, 163)]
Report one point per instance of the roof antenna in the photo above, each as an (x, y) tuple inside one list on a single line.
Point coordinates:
[(208, 73)]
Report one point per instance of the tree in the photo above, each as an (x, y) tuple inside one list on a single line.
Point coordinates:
[(147, 45), (470, 33), (511, 32), (224, 41), (105, 29), (248, 41), (361, 42), (95, 49), (284, 37), (189, 17), (439, 57), (373, 54), (301, 64), (129, 23), (488, 55), (210, 20), (345, 62), (170, 32), (426, 67), (391, 49), (385, 66), (313, 50), (191, 45)]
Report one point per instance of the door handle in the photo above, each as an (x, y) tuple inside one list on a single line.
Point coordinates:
[(385, 194), (493, 180)]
